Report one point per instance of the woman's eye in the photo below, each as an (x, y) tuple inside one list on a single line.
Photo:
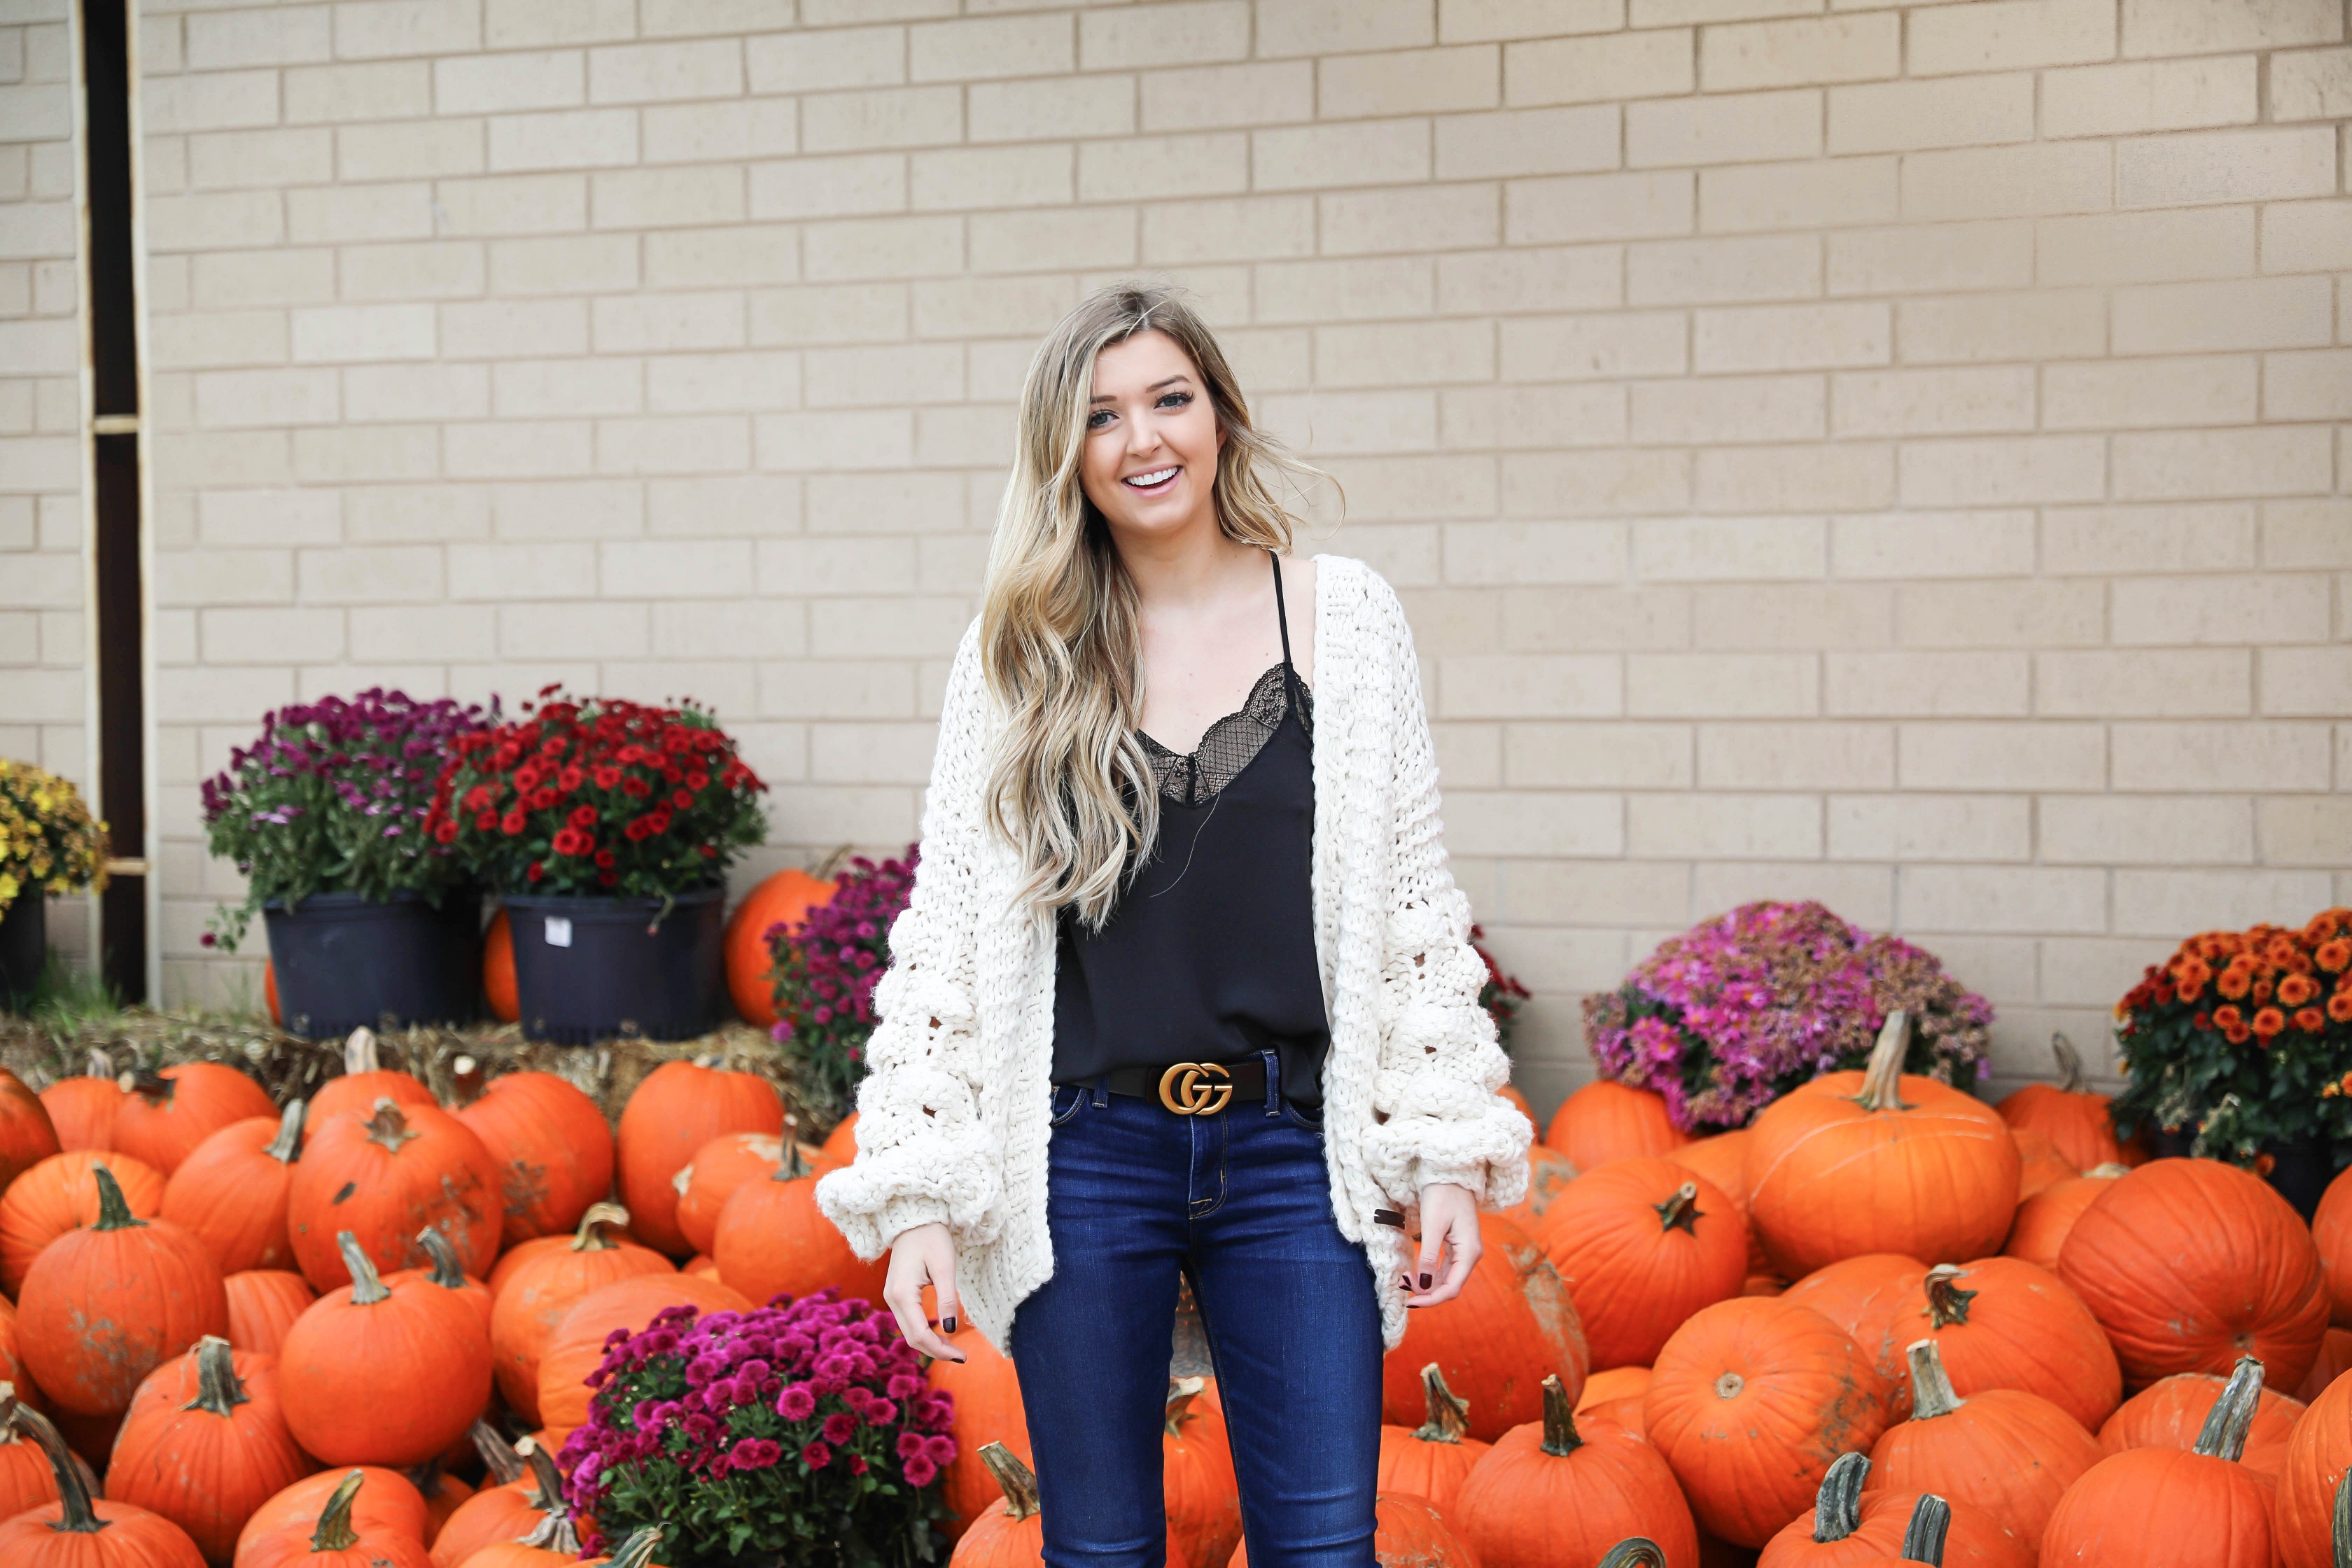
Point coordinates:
[(1095, 420), (1178, 398)]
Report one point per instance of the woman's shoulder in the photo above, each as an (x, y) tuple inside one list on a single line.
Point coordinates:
[(1360, 605)]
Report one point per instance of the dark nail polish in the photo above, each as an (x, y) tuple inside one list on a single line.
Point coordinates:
[(948, 1324), (1425, 1281)]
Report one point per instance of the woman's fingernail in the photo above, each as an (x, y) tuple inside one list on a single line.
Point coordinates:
[(1425, 1281), (947, 1324)]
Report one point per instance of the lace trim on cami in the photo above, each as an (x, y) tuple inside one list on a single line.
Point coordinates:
[(1229, 745)]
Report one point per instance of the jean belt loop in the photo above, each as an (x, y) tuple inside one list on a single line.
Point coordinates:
[(1273, 1080), (1102, 1092)]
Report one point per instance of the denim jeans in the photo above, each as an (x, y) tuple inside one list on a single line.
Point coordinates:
[(1240, 1202)]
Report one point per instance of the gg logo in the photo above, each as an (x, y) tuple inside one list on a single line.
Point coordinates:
[(1182, 1090)]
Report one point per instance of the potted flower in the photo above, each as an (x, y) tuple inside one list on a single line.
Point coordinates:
[(2239, 1047), (827, 965), (49, 844), (1734, 1012), (369, 919), (801, 1435), (1502, 995), (608, 826)]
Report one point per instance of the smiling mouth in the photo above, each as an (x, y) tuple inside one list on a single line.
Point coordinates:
[(1156, 480)]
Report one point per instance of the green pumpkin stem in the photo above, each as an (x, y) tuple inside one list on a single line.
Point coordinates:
[(1923, 1538), (1634, 1551), (637, 1550), (367, 1285), (2070, 1064), (218, 1388), (150, 1087), (2223, 1436), (335, 1532), (447, 1270), (2341, 1537), (498, 1457), (1014, 1479), (1181, 1391), (1560, 1434), (287, 1147), (76, 1517), (590, 1236), (1882, 1080), (1680, 1212), (387, 1126), (1947, 1304), (1837, 1506), (791, 1164), (547, 1483), (1932, 1394), (1449, 1413), (113, 1208)]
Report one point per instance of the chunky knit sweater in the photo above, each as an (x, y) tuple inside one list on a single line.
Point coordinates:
[(953, 1113)]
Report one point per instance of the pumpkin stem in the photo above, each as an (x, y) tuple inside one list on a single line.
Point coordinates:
[(150, 1087), (287, 1147), (1559, 1436), (359, 1052), (637, 1550), (554, 1532), (1932, 1394), (1947, 1304), (2110, 1171), (498, 1455), (99, 1066), (2223, 1436), (542, 1498), (2342, 1536), (113, 1208), (1681, 1211), (1882, 1080), (367, 1285), (1449, 1413), (218, 1388), (74, 1516), (1923, 1538), (1634, 1551), (335, 1532), (1837, 1506), (1181, 1391), (588, 1237), (2070, 1064), (446, 1272), (790, 1164), (387, 1126), (1014, 1479)]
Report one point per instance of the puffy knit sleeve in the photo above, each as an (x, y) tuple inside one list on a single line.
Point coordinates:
[(924, 1150), (1439, 1116)]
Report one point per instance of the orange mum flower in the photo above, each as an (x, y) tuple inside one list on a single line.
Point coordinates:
[(2295, 990), (2335, 955), (2235, 981), (2237, 1034), (2227, 1018), (2269, 1021), (2340, 1006), (2262, 990), (2310, 1020)]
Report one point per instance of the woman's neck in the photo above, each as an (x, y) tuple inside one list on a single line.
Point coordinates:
[(1185, 574)]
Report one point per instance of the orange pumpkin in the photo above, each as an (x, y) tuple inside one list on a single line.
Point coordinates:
[(1722, 1158), (2011, 1453), (551, 1542), (445, 1272), (773, 1240), (388, 1373), (385, 1175), (533, 1298), (2186, 1263), (1408, 1531), (104, 1305), (2311, 1479), (499, 990), (841, 1145), (205, 1444), (2000, 1323), (783, 899), (270, 993), (1549, 1174), (2335, 1359), (364, 1081), (1617, 1383), (720, 1166), (2162, 1508), (444, 1495), (2078, 1123), (1010, 1534), (230, 1191), (1196, 1477), (678, 1108), (553, 1150), (1858, 1295), (76, 1532), (25, 1481), (1750, 1401), (2172, 1412), (27, 1136), (2042, 1167), (577, 1346), (988, 1409), (59, 1195), (1850, 1527), (168, 1114), (262, 1305), (337, 1540), (2044, 1219), (385, 1502), (1512, 1326), (1607, 1121), (82, 1109), (1642, 1244), (1879, 1161), (509, 1506), (2331, 1232), (1548, 1496), (1431, 1459)]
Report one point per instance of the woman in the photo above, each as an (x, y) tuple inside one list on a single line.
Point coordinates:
[(1179, 995)]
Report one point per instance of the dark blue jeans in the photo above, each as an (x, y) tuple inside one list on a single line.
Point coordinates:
[(1240, 1202)]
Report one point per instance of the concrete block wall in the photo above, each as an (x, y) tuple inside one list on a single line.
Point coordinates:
[(1889, 453)]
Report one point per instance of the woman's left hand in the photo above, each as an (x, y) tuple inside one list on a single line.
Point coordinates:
[(1449, 1245)]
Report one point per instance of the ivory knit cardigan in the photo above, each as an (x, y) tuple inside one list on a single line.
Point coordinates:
[(953, 1113)]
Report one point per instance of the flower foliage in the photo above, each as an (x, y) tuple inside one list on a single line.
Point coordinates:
[(804, 1428), (2244, 1037), (827, 966), (598, 795), (1502, 994), (1731, 1014), (49, 843), (332, 797)]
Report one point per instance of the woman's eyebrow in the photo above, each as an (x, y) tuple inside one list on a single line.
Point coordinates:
[(1166, 381)]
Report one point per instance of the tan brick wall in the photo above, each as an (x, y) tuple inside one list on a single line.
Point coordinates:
[(1889, 453)]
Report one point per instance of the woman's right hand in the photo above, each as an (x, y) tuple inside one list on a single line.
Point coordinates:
[(923, 1255)]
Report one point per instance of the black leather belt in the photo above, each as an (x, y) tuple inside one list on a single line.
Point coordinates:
[(1193, 1088)]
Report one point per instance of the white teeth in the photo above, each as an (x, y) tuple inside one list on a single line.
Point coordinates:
[(1144, 481)]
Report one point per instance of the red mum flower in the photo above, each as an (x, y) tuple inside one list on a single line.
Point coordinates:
[(604, 860), (511, 824), (582, 817)]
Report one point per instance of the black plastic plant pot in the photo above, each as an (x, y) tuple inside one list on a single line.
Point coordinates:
[(343, 960), (2300, 1172), (24, 946), (590, 969)]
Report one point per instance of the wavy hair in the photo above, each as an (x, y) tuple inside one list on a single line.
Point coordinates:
[(1069, 786)]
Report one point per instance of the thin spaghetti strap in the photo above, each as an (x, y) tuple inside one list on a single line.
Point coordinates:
[(1281, 613)]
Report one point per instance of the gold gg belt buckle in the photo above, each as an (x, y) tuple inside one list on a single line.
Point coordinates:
[(1182, 1090)]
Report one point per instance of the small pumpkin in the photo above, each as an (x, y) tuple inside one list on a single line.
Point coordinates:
[(783, 899), (2044, 1219), (59, 1195), (1201, 1495), (2079, 1124), (552, 1542), (385, 1175), (509, 1507), (2172, 1412), (1722, 1158), (2040, 1166), (337, 1540), (205, 1444), (2311, 1479), (841, 1145), (25, 1479), (1408, 1531), (988, 1409), (1431, 1459), (444, 1495), (551, 1148), (364, 1080), (27, 1136), (1607, 1121), (383, 1374), (82, 1109), (76, 1532), (1548, 1496), (262, 1305), (1641, 1245), (168, 1114), (2162, 1508), (230, 1191), (532, 1300), (720, 1166), (386, 1501), (1999, 1323), (576, 1348), (444, 1270), (2011, 1453), (1850, 1527), (1513, 1325), (678, 1108), (1010, 1534), (773, 1240)]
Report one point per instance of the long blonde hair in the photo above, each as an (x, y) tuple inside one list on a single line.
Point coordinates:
[(1069, 786)]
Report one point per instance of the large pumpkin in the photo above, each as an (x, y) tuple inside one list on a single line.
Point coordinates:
[(230, 1191), (2311, 1479), (678, 1108), (76, 1532), (383, 1374), (499, 992), (59, 1195), (364, 1081), (384, 1499), (1879, 1161), (384, 1175), (1548, 1496), (1641, 1245), (83, 1110), (336, 1538), (168, 1114), (1858, 1294), (1431, 1459), (262, 1305), (553, 1150), (785, 899), (1999, 1323), (2074, 1119), (2331, 1232), (2335, 1360), (2187, 1263), (1850, 1528), (105, 1305), (2044, 1220), (2172, 1412), (2011, 1453), (988, 1409), (773, 1240), (532, 1300), (1512, 1326), (577, 1346), (205, 1444), (1607, 1121), (1197, 1482), (1750, 1401), (2162, 1508), (27, 1136)]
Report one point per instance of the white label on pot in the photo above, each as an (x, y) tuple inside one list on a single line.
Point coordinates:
[(558, 931)]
